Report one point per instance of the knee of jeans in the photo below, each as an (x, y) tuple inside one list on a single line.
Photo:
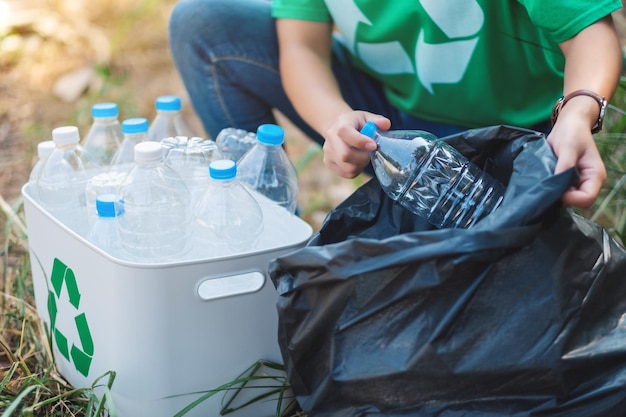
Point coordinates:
[(191, 19)]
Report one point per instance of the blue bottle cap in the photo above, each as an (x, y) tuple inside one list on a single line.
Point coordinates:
[(168, 103), (270, 134), (223, 169), (104, 110), (135, 125), (369, 129), (109, 205)]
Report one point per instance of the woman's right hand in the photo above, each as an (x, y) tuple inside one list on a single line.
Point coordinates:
[(346, 150)]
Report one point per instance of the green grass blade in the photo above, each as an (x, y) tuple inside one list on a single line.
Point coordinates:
[(8, 376), (605, 202), (16, 402)]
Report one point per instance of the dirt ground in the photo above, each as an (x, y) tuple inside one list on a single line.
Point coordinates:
[(58, 57)]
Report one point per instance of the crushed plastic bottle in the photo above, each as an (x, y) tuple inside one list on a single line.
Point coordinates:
[(431, 178), (190, 158), (234, 143)]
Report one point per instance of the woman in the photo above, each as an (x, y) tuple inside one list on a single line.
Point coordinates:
[(437, 65)]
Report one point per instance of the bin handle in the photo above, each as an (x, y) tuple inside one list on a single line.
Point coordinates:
[(220, 287)]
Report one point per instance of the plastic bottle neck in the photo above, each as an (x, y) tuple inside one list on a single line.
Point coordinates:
[(269, 146), (105, 120), (168, 113), (66, 146), (148, 164), (376, 138), (136, 137), (225, 183)]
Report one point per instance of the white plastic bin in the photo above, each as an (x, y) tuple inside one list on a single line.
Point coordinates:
[(170, 331)]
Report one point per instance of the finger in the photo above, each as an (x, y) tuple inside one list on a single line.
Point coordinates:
[(582, 196), (586, 191), (566, 160), (345, 170), (354, 139), (346, 161)]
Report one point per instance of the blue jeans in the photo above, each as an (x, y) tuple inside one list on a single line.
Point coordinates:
[(226, 52)]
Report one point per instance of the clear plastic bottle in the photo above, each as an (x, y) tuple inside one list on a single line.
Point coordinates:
[(228, 218), (105, 232), (44, 149), (190, 157), (267, 169), (431, 178), (169, 120), (104, 137), (156, 224), (61, 185), (234, 143), (135, 130)]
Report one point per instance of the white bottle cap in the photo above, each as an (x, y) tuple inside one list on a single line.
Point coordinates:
[(148, 151), (65, 135), (44, 149)]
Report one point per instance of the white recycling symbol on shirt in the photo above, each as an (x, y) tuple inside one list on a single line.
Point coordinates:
[(456, 18)]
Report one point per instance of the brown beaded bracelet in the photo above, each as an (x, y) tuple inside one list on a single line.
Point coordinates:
[(564, 99)]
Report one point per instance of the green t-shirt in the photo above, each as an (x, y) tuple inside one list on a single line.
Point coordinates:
[(470, 63)]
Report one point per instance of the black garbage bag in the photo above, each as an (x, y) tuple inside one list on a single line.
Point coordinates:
[(521, 315)]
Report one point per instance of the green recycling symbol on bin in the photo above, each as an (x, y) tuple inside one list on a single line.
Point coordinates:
[(80, 356)]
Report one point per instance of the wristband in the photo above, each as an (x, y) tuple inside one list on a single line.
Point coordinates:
[(564, 99)]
